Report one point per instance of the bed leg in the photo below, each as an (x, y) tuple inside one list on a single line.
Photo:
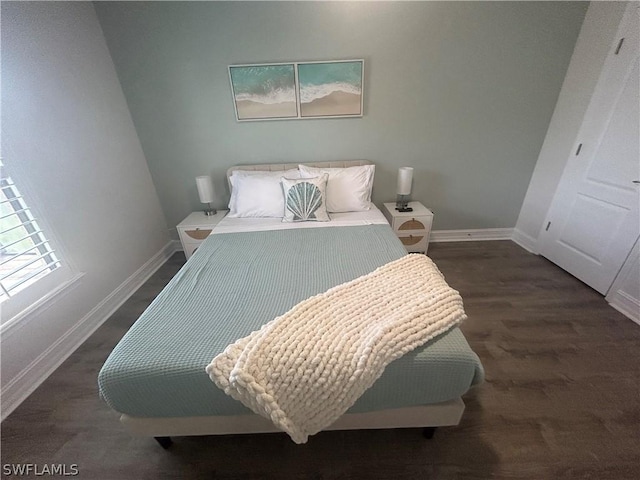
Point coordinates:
[(428, 432), (165, 442)]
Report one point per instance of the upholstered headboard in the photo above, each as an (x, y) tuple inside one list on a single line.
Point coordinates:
[(276, 167)]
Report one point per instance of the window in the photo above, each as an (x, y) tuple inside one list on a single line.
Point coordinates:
[(25, 254)]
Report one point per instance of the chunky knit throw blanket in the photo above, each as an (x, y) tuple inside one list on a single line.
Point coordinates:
[(304, 369)]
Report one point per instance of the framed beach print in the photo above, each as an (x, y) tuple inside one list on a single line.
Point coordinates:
[(297, 90), (264, 91), (330, 89)]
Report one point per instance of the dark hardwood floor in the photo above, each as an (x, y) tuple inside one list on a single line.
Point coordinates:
[(561, 398)]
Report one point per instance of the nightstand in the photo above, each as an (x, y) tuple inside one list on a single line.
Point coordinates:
[(412, 228), (195, 228)]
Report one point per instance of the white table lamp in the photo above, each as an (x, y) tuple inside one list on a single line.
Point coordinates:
[(205, 192), (403, 190)]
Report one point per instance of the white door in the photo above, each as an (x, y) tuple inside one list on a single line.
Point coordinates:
[(594, 218)]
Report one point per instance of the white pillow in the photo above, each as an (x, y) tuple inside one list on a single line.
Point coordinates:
[(348, 189), (305, 199), (258, 193)]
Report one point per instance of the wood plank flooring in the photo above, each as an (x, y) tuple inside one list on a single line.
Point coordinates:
[(561, 398)]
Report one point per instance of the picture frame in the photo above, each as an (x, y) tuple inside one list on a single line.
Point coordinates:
[(298, 90)]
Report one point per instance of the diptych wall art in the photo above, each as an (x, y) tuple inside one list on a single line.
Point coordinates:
[(297, 90)]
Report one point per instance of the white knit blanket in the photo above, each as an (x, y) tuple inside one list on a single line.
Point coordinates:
[(304, 369)]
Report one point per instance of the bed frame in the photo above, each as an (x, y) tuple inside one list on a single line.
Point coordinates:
[(427, 417)]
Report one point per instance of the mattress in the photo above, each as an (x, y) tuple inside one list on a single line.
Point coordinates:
[(238, 281)]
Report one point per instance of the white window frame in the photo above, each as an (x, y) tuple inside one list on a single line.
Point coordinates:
[(48, 288)]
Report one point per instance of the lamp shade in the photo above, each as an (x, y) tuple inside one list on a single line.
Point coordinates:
[(405, 176), (205, 188)]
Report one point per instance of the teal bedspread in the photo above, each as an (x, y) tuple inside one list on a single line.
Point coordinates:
[(235, 283)]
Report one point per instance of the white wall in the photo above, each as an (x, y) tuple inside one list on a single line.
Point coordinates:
[(69, 142), (594, 41)]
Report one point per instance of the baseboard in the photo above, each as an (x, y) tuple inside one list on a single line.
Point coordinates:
[(525, 241), (471, 235), (628, 306), (32, 376)]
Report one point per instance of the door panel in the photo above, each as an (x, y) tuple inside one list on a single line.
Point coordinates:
[(587, 230), (624, 124)]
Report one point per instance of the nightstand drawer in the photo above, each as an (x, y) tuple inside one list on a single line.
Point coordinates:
[(405, 224), (414, 243), (413, 224), (197, 233)]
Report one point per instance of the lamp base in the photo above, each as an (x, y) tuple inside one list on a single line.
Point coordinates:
[(210, 212), (402, 204)]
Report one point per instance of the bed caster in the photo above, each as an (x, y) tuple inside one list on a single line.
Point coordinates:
[(165, 442), (428, 432)]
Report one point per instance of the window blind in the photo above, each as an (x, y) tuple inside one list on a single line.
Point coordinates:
[(25, 253)]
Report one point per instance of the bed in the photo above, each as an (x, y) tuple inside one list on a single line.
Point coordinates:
[(247, 272)]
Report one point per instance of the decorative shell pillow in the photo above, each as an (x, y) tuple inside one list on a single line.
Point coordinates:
[(305, 199)]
